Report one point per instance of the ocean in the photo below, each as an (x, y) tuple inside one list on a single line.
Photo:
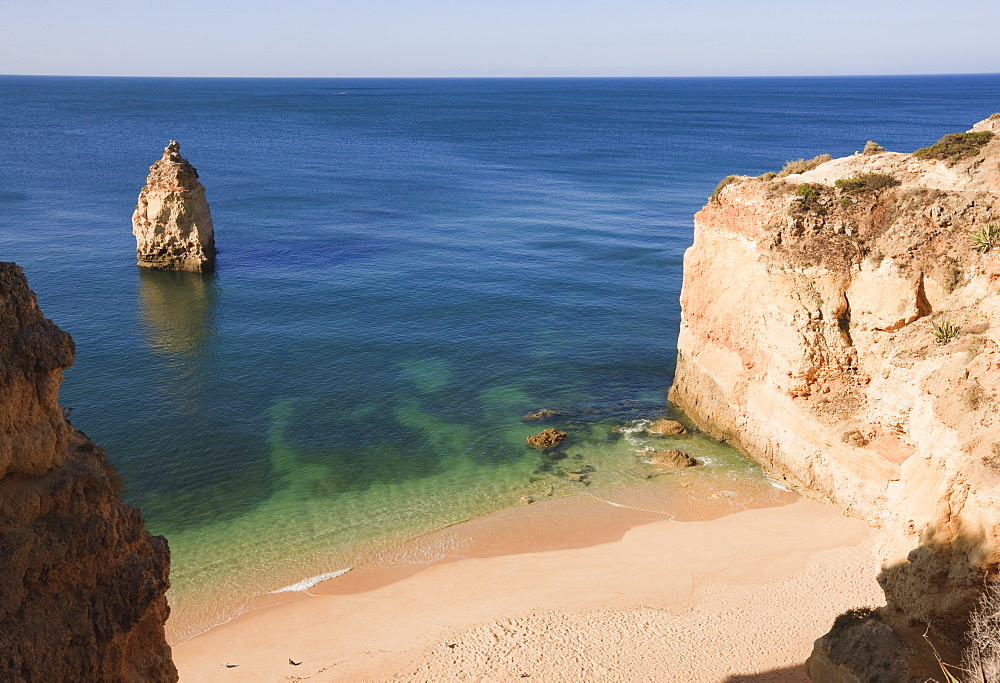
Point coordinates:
[(406, 268)]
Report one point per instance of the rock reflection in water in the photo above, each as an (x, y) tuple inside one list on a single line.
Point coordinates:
[(177, 315)]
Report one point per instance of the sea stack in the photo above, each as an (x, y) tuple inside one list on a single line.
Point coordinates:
[(841, 325), (83, 584), (172, 223)]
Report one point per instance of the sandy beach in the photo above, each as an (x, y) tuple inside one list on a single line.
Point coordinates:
[(572, 589)]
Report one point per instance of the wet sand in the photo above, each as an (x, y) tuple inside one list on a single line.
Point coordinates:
[(609, 587)]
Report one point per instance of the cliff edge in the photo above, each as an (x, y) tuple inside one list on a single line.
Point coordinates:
[(172, 223), (83, 585), (841, 326)]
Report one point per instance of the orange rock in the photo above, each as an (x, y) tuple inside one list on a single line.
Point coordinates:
[(546, 439)]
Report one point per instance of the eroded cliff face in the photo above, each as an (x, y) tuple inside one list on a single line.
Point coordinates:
[(807, 341), (82, 584), (172, 223)]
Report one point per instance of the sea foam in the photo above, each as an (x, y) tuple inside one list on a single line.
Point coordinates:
[(306, 584)]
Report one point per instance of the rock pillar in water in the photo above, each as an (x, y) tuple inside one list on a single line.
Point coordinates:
[(82, 583), (172, 223)]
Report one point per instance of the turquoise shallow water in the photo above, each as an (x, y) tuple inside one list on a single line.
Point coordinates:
[(405, 269)]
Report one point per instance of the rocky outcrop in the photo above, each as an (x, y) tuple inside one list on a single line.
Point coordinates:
[(666, 428), (546, 439), (672, 458), (172, 223), (847, 337), (82, 586)]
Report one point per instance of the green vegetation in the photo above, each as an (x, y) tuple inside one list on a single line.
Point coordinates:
[(866, 182), (808, 196), (944, 332), (808, 192), (954, 147), (728, 180), (872, 147), (803, 165), (986, 238)]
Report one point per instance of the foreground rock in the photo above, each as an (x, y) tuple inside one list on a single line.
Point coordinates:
[(82, 586), (172, 223), (666, 428), (672, 458), (546, 439), (816, 356)]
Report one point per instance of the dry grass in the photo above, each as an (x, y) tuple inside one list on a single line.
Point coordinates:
[(803, 165), (728, 180), (981, 659), (866, 182), (955, 147), (872, 147)]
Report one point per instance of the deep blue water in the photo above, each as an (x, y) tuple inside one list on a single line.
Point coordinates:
[(405, 268)]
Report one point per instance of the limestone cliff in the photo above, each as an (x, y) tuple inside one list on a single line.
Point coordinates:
[(172, 223), (82, 584), (807, 341)]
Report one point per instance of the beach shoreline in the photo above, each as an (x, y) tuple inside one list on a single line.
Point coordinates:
[(524, 590)]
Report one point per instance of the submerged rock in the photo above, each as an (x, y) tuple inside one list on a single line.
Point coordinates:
[(83, 584), (672, 458), (172, 223), (543, 414), (666, 428), (546, 439)]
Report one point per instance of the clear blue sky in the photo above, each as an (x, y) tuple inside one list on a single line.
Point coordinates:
[(498, 37)]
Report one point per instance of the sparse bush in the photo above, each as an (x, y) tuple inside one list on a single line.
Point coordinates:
[(973, 396), (852, 617), (944, 332), (872, 147), (728, 180), (807, 192), (866, 182), (770, 175), (954, 147), (854, 438), (802, 165), (982, 656), (808, 198), (952, 277), (986, 238), (974, 346), (993, 459)]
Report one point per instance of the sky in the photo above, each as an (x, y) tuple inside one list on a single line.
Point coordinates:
[(475, 38)]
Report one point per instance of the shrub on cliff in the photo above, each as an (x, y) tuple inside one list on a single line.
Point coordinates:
[(954, 147), (802, 165), (944, 331), (728, 180), (872, 147), (866, 182), (982, 656), (853, 617), (986, 238), (809, 197)]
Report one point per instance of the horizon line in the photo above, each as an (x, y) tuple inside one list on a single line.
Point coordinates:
[(578, 77)]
